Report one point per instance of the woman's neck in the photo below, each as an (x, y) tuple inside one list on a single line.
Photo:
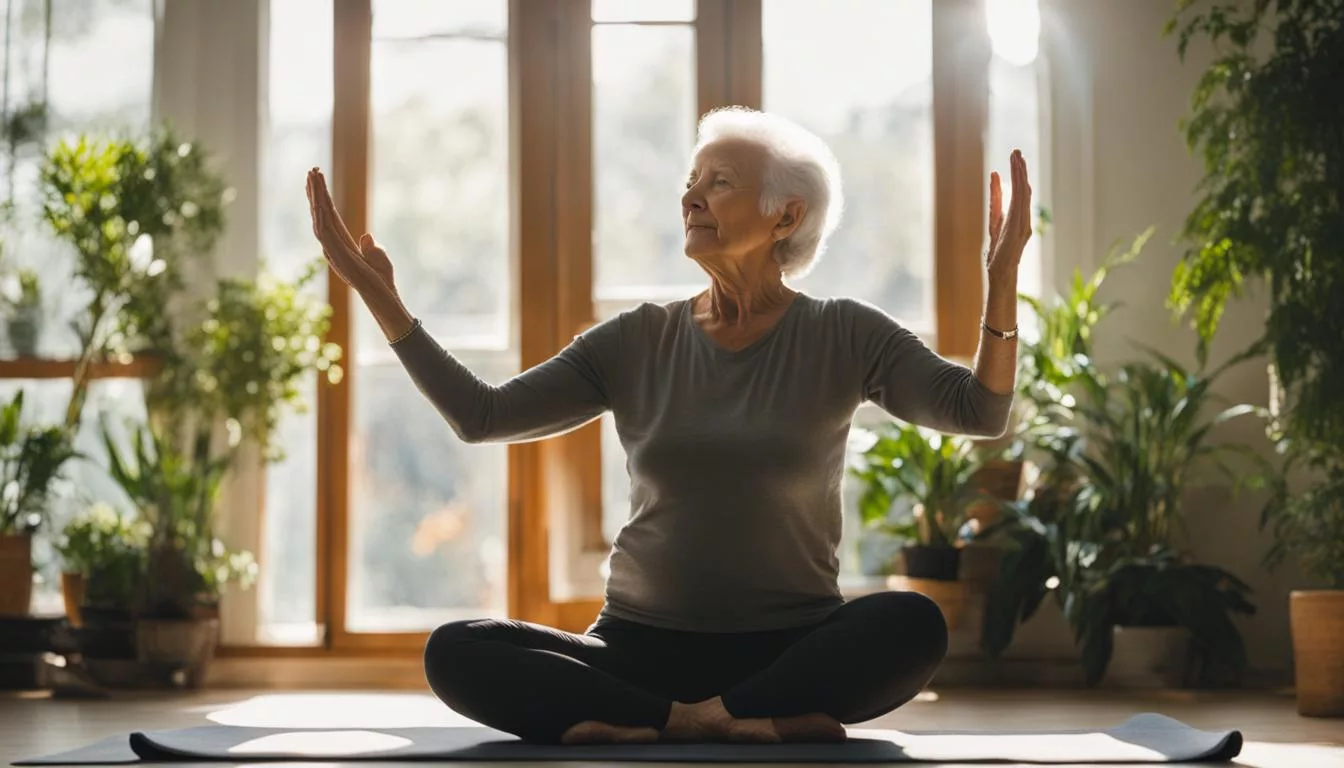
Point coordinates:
[(736, 295)]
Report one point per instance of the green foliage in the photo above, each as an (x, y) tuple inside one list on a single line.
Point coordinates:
[(109, 550), (1052, 359), (31, 459), (176, 494), (135, 213), (1105, 526), (931, 470), (1267, 121), (245, 360)]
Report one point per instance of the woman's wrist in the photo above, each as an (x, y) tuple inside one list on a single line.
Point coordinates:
[(391, 314), (1000, 311)]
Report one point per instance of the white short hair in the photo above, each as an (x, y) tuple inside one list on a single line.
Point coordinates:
[(798, 165)]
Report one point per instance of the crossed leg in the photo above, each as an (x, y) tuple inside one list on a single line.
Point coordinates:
[(867, 658)]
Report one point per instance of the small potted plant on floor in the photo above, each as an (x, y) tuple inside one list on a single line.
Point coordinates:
[(916, 486), (104, 554), (31, 459), (101, 549)]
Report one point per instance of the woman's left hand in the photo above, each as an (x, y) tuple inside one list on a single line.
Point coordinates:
[(1008, 235)]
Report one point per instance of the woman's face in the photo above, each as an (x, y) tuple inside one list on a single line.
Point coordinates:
[(721, 209)]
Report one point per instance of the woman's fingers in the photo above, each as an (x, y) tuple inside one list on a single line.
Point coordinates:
[(333, 216)]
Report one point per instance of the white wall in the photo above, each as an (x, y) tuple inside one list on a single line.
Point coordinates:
[(1120, 165)]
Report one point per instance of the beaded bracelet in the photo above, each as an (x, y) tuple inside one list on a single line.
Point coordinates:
[(1009, 335), (414, 325)]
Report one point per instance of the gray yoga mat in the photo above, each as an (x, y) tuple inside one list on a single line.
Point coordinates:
[(1145, 738)]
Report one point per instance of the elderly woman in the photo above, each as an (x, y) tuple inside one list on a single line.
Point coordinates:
[(723, 619)]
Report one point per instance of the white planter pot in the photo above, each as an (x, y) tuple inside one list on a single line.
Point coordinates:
[(1148, 657)]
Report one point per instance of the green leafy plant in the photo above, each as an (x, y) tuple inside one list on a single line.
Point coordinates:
[(1112, 539), (1268, 124), (1102, 529), (1054, 357), (109, 550), (187, 565), (31, 460), (931, 470), (244, 360), (136, 212)]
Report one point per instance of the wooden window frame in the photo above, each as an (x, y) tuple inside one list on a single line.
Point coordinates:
[(554, 486)]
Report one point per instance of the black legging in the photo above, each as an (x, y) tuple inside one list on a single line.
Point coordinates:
[(870, 656)]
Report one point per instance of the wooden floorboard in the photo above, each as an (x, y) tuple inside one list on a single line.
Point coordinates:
[(1276, 736)]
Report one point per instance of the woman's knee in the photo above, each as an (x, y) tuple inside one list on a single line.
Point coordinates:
[(908, 621), (448, 651)]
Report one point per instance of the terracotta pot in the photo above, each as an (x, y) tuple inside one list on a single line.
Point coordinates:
[(16, 574), (72, 591), (950, 596), (940, 563), (1148, 657), (1317, 618), (182, 648), (1001, 480)]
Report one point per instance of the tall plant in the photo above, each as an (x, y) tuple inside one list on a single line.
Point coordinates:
[(136, 212), (1267, 121), (1103, 531)]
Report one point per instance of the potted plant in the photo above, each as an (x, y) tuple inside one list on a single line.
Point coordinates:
[(1109, 547), (916, 486), (23, 312), (227, 367), (1265, 121), (103, 555), (101, 552), (31, 459)]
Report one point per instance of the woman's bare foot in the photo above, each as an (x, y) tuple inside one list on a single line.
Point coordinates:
[(813, 727), (594, 732), (709, 721)]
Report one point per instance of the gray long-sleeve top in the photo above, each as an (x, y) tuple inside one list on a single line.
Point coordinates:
[(736, 458)]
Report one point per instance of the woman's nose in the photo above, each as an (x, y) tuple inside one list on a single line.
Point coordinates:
[(691, 201)]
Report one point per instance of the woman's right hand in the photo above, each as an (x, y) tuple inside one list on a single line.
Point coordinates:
[(362, 264)]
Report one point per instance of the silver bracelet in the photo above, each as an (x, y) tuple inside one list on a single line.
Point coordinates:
[(1007, 335), (414, 325)]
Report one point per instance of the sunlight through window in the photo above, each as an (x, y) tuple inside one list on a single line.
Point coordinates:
[(1014, 29)]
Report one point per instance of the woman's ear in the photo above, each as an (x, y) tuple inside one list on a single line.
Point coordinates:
[(793, 214)]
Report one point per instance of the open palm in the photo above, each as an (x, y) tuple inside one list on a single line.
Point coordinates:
[(362, 264), (1008, 234)]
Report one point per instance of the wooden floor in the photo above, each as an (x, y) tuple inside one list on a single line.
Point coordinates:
[(1275, 735)]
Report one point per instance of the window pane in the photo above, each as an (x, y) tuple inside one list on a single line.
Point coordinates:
[(643, 131), (411, 19), (1014, 123), (881, 130), (297, 137), (643, 10), (428, 512)]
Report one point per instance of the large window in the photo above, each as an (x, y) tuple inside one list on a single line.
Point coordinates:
[(427, 511)]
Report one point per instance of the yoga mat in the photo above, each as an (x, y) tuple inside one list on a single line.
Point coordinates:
[(1145, 738)]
